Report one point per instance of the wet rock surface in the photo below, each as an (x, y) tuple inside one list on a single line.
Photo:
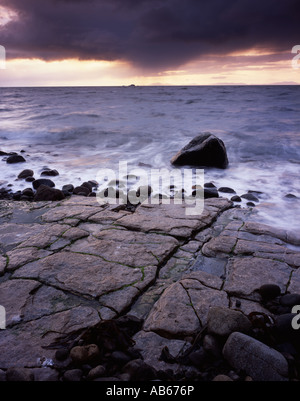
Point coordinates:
[(101, 292)]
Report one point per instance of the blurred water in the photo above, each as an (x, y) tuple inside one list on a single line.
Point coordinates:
[(80, 130)]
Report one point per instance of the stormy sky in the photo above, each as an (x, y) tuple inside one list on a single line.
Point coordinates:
[(152, 34)]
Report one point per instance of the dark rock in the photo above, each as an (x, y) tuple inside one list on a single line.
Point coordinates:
[(17, 196), (250, 197), (291, 196), (73, 375), (26, 173), (61, 354), (15, 159), (2, 153), (97, 371), (236, 198), (250, 204), (19, 374), (284, 331), (29, 179), (227, 190), (84, 191), (28, 192), (84, 353), (42, 181), (205, 150), (120, 357), (139, 370), (209, 185), (25, 198), (269, 291), (256, 193), (68, 188), (45, 193), (210, 193), (50, 173), (290, 300), (93, 183), (198, 358), (87, 185), (92, 195)]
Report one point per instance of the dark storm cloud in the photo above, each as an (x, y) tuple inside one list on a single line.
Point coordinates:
[(148, 33)]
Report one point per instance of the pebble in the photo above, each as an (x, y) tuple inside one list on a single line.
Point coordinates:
[(250, 197), (84, 191), (98, 371), (224, 321), (26, 173), (15, 159), (42, 181), (50, 173), (269, 291), (73, 375), (227, 190), (19, 374), (290, 299), (236, 198), (84, 353)]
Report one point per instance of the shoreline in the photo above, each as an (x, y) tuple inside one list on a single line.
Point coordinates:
[(174, 276)]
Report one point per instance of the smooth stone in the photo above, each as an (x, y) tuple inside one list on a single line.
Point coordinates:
[(255, 358), (19, 375), (73, 375), (290, 299), (15, 159), (236, 198), (250, 197), (50, 173), (226, 190), (222, 378), (28, 192), (81, 191), (29, 179), (224, 321), (97, 371), (26, 173), (46, 193), (42, 181), (68, 188), (209, 185), (210, 193), (204, 150), (84, 354), (269, 291)]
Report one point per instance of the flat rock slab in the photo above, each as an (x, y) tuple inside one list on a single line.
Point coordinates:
[(80, 273), (129, 248), (23, 344), (173, 219), (183, 307), (67, 265), (245, 275)]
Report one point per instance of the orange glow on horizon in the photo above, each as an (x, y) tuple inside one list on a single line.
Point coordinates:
[(245, 69)]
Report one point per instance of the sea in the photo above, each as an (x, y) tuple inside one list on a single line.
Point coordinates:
[(81, 130)]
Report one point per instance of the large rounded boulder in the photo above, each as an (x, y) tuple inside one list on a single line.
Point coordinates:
[(205, 150)]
